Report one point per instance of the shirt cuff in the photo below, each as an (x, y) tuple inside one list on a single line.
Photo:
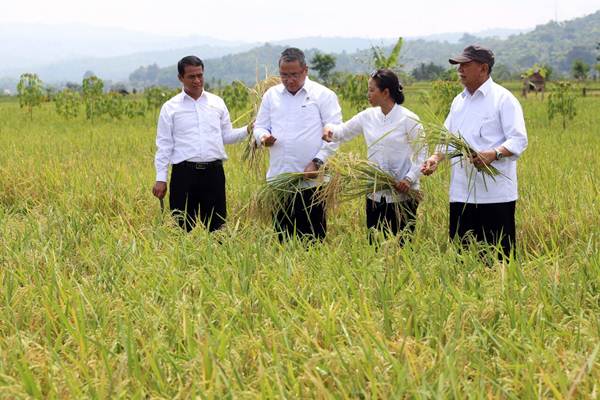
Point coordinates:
[(514, 148), (413, 176), (258, 134), (161, 176), (322, 155)]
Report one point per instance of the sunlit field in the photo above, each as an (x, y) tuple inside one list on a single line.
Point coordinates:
[(101, 295)]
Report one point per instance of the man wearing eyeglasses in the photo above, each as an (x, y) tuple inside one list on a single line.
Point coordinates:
[(290, 122)]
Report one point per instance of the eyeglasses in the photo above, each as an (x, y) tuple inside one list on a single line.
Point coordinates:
[(294, 75)]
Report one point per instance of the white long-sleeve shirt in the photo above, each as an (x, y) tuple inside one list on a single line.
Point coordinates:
[(391, 141), (193, 130), (489, 118), (297, 122)]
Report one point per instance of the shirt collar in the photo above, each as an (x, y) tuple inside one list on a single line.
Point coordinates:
[(484, 89), (394, 109), (306, 87), (188, 97)]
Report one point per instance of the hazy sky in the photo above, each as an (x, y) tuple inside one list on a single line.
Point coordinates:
[(265, 20)]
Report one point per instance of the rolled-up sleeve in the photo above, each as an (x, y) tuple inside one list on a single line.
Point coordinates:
[(513, 126), (164, 144), (331, 114)]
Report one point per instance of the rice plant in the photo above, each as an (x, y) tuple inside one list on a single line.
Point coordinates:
[(100, 297), (353, 177), (252, 154), (279, 192)]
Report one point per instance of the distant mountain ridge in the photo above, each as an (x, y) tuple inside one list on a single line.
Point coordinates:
[(556, 44), (61, 53)]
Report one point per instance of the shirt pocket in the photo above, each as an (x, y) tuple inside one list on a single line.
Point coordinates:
[(211, 121), (309, 112), (185, 121), (490, 131)]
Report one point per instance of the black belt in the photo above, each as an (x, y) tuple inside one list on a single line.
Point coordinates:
[(201, 165)]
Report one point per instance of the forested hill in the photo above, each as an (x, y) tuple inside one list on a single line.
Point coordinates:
[(556, 44)]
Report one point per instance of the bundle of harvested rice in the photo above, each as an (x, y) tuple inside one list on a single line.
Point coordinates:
[(353, 177), (279, 193), (455, 147), (252, 154)]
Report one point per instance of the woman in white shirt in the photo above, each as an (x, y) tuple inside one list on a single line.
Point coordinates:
[(390, 131)]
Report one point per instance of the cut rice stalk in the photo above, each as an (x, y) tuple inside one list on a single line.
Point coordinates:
[(353, 177), (252, 152), (281, 191)]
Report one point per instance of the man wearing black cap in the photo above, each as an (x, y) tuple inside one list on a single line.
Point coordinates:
[(491, 120)]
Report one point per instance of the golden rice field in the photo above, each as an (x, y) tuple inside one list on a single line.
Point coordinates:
[(101, 296)]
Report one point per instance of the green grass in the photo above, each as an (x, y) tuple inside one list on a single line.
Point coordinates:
[(102, 296)]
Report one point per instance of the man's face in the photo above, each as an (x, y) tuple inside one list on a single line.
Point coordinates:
[(193, 80), (472, 74), (292, 75)]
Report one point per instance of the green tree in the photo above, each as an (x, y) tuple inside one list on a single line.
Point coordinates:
[(30, 92), (427, 72), (562, 102), (156, 96), (597, 66), (549, 71), (502, 72), (353, 89), (135, 108), (449, 75), (67, 103), (442, 94), (112, 104), (92, 88), (235, 96), (380, 60), (323, 64), (580, 70)]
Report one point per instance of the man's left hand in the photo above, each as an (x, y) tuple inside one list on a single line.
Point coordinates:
[(311, 171), (403, 186), (484, 158)]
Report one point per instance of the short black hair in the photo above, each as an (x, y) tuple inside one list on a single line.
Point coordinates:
[(292, 54), (188, 60), (387, 79)]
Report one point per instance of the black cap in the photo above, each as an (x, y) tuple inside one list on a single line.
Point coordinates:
[(474, 53)]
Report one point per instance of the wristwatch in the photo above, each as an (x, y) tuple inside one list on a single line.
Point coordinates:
[(499, 154), (318, 162)]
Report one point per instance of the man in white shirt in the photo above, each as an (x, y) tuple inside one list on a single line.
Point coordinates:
[(290, 122), (193, 127), (491, 120)]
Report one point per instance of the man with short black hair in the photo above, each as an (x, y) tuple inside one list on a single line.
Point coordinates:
[(193, 127), (290, 122), (490, 119)]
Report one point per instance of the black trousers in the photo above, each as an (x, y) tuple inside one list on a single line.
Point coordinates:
[(301, 217), (391, 218), (198, 190), (490, 223)]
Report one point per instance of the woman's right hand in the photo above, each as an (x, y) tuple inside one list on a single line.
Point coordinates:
[(327, 134), (430, 165)]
